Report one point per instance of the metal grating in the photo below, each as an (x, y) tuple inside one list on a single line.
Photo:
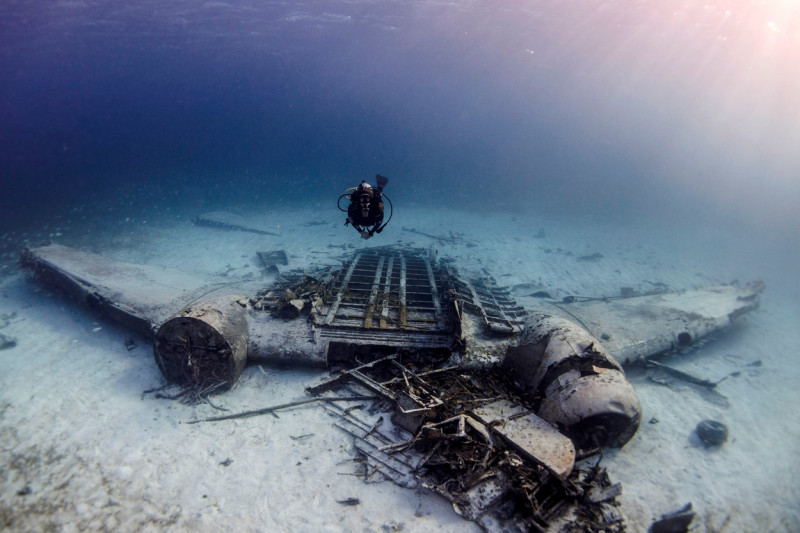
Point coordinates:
[(399, 297), (500, 313), (386, 289), (386, 296)]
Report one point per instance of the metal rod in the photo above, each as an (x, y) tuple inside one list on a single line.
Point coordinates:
[(374, 293), (435, 295), (403, 310), (340, 294), (386, 289)]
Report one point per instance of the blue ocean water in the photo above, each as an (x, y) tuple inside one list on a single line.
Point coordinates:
[(606, 106)]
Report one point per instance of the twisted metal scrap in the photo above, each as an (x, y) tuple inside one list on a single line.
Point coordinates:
[(459, 453)]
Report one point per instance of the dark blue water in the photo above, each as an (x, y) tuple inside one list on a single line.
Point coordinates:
[(611, 107)]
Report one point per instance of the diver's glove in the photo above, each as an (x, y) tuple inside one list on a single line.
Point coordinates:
[(365, 234), (347, 222)]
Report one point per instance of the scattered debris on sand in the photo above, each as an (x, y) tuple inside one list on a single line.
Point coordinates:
[(712, 432), (675, 522), (452, 238), (465, 435), (231, 221), (7, 342)]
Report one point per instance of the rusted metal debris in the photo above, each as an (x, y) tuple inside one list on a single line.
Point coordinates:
[(451, 239), (711, 432), (668, 376), (188, 394), (674, 522), (272, 409), (231, 221), (472, 442), (684, 376), (533, 438), (272, 259), (7, 342)]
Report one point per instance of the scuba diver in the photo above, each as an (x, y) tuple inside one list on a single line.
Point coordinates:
[(365, 211)]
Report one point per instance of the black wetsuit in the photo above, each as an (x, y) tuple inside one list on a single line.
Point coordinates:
[(372, 222)]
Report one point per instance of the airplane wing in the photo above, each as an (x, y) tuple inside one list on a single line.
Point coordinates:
[(643, 326)]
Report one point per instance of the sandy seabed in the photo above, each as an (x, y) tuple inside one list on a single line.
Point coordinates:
[(82, 447)]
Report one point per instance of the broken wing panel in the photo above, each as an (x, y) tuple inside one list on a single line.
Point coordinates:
[(642, 326), (140, 296), (533, 438)]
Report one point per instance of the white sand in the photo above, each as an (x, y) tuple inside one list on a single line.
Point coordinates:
[(93, 452)]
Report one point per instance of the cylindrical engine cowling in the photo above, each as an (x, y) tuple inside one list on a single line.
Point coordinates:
[(575, 383), (204, 344)]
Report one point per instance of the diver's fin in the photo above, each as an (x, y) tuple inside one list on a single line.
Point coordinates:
[(382, 181)]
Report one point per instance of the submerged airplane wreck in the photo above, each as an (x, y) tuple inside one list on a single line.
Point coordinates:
[(493, 406)]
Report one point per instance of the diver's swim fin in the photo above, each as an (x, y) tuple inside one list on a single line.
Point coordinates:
[(381, 180)]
